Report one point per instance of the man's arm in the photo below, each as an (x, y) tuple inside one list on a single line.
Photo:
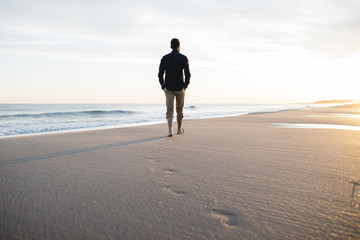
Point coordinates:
[(161, 74), (187, 73)]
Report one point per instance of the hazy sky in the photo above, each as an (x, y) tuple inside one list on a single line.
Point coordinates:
[(240, 51)]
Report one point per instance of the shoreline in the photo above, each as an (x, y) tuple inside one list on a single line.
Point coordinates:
[(225, 178), (130, 125)]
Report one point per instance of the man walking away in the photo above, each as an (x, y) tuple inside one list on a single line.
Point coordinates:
[(174, 65)]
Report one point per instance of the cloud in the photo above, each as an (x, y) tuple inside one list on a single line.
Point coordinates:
[(245, 43), (209, 28)]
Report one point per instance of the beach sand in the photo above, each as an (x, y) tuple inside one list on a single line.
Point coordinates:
[(226, 178)]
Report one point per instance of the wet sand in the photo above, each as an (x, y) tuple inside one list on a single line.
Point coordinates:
[(227, 178)]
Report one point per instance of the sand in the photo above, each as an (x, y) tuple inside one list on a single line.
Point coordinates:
[(227, 178)]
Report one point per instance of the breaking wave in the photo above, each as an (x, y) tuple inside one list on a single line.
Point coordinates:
[(93, 113)]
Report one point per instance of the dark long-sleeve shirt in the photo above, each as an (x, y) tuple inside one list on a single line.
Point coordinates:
[(174, 65)]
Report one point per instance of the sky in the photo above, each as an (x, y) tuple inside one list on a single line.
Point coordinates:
[(239, 51)]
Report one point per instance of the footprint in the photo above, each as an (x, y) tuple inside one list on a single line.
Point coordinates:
[(170, 170), (169, 188), (153, 160), (226, 217)]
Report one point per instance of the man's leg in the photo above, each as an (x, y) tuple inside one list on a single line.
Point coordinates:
[(169, 109), (180, 99)]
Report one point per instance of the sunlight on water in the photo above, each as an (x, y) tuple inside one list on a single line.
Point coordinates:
[(316, 126), (335, 115)]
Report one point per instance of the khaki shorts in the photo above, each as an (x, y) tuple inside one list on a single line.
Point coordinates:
[(180, 99)]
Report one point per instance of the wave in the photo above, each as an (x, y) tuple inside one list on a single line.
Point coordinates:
[(191, 107), (92, 113)]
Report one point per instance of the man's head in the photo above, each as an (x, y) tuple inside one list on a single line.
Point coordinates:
[(175, 44)]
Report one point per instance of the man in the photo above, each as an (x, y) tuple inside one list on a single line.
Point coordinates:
[(174, 65)]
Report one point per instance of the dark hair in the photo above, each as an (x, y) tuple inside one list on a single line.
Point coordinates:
[(175, 43)]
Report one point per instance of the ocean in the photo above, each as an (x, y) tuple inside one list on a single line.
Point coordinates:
[(25, 119)]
